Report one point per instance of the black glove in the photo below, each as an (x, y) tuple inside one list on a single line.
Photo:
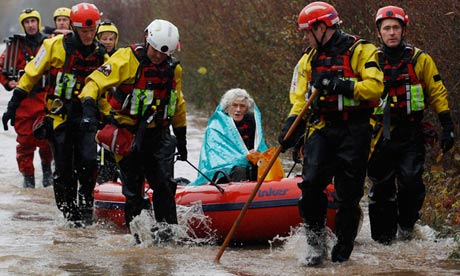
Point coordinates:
[(15, 101), (181, 145), (296, 151), (338, 86), (447, 136), (320, 81), (291, 140), (49, 30), (89, 121), (430, 135)]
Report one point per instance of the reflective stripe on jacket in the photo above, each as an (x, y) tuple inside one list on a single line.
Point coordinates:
[(404, 91), (131, 76)]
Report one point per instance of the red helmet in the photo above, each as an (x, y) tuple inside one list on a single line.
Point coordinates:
[(392, 12), (315, 12), (85, 15)]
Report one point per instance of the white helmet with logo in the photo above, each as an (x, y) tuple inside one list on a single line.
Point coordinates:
[(163, 36)]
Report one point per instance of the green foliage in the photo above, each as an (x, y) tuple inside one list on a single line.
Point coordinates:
[(456, 252), (255, 44)]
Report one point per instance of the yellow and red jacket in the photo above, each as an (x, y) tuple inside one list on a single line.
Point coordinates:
[(66, 70), (357, 62), (143, 90), (412, 84)]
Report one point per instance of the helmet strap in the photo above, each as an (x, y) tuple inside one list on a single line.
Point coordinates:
[(319, 42)]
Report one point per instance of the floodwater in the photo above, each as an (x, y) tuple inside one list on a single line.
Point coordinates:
[(36, 240)]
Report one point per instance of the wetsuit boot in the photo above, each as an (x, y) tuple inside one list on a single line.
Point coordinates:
[(85, 205), (47, 175), (316, 250), (29, 181), (73, 215), (382, 218), (405, 233), (347, 223)]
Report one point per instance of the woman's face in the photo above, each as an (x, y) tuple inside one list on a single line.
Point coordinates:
[(238, 109)]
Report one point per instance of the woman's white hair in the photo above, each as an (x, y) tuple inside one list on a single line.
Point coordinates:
[(236, 93)]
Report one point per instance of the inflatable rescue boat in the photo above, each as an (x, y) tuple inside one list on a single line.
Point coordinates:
[(272, 212)]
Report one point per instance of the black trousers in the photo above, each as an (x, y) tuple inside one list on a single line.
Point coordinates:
[(337, 152), (397, 191), (75, 155), (154, 162)]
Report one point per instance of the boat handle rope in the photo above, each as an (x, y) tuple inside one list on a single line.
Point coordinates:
[(292, 168), (205, 176)]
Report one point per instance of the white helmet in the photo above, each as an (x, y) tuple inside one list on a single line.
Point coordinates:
[(163, 36)]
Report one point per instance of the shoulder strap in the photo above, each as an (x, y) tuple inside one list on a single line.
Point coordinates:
[(172, 63), (358, 41), (308, 50), (417, 53), (139, 51), (140, 54), (381, 57), (69, 50)]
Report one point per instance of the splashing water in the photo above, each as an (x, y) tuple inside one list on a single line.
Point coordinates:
[(152, 233)]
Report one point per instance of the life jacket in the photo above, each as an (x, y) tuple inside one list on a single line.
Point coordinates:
[(403, 90), (337, 64), (66, 83), (29, 52), (19, 52), (152, 96)]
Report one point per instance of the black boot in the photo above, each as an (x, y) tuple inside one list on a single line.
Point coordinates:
[(47, 176), (72, 214), (29, 181), (341, 251), (87, 215), (347, 223), (382, 218), (405, 233), (85, 205), (317, 249)]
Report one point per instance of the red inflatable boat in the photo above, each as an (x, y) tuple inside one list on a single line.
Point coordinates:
[(272, 212)]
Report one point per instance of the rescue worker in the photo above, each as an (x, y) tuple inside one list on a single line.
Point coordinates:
[(61, 18), (412, 83), (107, 34), (344, 69), (69, 60), (148, 99), (20, 51)]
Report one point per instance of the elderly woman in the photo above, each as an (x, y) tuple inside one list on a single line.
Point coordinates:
[(233, 131)]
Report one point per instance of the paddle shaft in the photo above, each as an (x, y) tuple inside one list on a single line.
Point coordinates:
[(262, 178)]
